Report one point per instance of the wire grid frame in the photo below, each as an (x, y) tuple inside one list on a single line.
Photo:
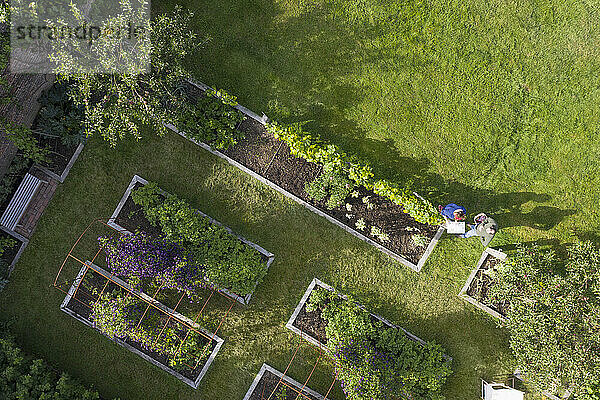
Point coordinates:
[(300, 393), (151, 302)]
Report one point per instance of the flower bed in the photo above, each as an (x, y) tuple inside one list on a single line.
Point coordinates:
[(477, 287), (101, 313), (373, 357), (240, 264), (371, 212), (265, 386)]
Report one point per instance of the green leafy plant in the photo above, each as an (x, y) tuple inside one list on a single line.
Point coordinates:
[(379, 234), (26, 378), (212, 119), (374, 361), (117, 316), (229, 262), (59, 117), (420, 240), (16, 170), (330, 184), (24, 140), (147, 90), (554, 316), (360, 224), (311, 148)]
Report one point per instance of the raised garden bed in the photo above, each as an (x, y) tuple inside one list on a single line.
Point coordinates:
[(59, 130), (311, 326), (267, 385), (128, 217), (60, 159), (269, 160), (11, 254), (81, 296), (476, 289)]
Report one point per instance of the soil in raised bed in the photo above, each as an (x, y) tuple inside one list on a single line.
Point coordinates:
[(84, 298), (9, 254), (132, 218), (311, 323), (269, 382), (257, 149), (59, 155), (481, 284), (271, 158)]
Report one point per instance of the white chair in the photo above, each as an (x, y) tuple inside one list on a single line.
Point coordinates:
[(498, 391)]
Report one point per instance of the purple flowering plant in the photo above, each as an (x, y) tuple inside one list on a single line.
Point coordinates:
[(373, 360), (118, 316), (142, 260)]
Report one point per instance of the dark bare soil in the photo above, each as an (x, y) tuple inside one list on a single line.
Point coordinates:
[(59, 155), (264, 154), (481, 284), (312, 324), (271, 382), (132, 218)]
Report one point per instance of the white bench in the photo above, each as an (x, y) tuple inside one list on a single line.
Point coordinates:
[(21, 199)]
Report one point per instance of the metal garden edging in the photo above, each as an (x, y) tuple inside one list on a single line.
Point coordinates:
[(463, 293), (280, 375)]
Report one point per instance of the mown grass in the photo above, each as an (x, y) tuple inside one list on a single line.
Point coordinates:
[(490, 104), (305, 246)]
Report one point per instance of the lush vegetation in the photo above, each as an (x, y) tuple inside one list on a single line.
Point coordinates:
[(374, 361), (119, 316), (59, 118), (6, 242), (339, 167), (228, 262), (211, 119), (554, 316), (22, 377), (122, 91)]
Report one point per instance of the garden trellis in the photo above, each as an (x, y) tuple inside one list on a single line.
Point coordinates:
[(151, 305), (301, 390)]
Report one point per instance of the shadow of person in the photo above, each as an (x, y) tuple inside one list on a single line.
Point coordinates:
[(541, 217)]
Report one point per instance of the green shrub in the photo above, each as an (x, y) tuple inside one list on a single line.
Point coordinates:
[(374, 361), (230, 263), (330, 183), (212, 119), (311, 148), (26, 378), (16, 170), (554, 316)]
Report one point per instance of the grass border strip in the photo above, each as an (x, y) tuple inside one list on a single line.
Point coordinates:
[(267, 368), (138, 179), (316, 282), (61, 178), (415, 267), (24, 242), (463, 292), (195, 383)]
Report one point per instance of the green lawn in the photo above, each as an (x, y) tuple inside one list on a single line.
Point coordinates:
[(490, 104), (305, 246)]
